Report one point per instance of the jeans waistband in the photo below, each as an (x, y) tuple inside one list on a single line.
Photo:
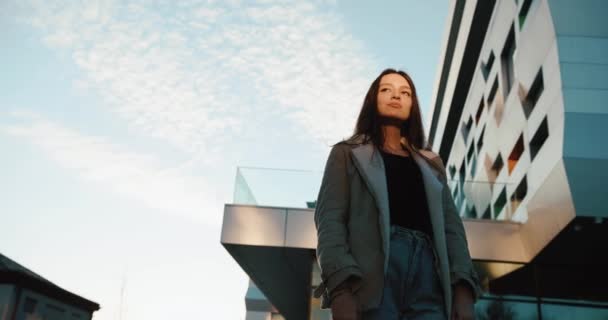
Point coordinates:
[(410, 233), (404, 233)]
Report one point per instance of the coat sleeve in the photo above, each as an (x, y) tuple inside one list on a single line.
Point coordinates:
[(331, 214), (461, 265)]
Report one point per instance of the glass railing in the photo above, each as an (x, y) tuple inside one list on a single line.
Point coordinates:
[(277, 187), (486, 200), (300, 188)]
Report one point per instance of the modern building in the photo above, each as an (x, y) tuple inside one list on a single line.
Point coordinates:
[(25, 295), (519, 116)]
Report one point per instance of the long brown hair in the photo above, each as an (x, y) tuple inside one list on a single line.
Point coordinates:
[(369, 122)]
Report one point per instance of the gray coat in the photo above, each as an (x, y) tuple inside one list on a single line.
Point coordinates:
[(353, 223)]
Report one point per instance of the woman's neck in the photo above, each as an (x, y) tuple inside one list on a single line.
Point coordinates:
[(392, 137)]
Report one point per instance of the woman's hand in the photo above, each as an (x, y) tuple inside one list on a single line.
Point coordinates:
[(463, 304), (344, 306)]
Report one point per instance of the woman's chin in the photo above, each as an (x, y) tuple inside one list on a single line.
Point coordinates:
[(393, 119)]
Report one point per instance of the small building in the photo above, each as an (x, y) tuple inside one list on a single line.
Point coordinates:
[(25, 295)]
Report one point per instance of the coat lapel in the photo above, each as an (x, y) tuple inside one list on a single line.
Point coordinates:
[(371, 167), (434, 190)]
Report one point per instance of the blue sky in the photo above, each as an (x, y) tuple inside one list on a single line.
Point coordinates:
[(122, 124)]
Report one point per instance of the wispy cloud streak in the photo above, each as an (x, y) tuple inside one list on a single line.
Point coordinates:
[(187, 71), (136, 176)]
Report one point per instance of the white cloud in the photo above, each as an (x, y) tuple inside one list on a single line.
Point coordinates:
[(185, 72), (137, 176)]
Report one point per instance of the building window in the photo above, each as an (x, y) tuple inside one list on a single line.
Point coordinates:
[(473, 165), (506, 58), (470, 212), (480, 141), (520, 193), (536, 90), (54, 312), (493, 90), (479, 111), (452, 171), (466, 129), (487, 67), (471, 152), (516, 153), (29, 305), (541, 135), (500, 202), (497, 165), (462, 173), (487, 214), (523, 12)]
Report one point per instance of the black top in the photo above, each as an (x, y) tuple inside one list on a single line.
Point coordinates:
[(407, 199)]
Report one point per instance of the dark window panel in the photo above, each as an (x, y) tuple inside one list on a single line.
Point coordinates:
[(516, 152), (487, 214), (500, 202), (536, 90), (523, 12), (487, 67), (29, 305), (493, 90), (506, 58), (466, 129), (480, 141), (473, 166), (539, 138), (519, 194)]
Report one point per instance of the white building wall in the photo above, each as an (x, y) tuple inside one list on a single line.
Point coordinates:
[(502, 120)]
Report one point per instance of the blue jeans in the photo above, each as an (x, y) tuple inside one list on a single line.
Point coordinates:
[(412, 289)]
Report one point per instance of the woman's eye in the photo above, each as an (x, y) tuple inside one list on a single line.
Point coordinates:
[(385, 89), (406, 93)]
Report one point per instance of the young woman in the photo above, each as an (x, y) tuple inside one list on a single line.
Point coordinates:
[(391, 244)]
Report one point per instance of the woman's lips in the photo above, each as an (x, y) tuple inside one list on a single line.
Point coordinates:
[(394, 105)]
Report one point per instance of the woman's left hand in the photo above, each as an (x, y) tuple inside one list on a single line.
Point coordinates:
[(463, 304)]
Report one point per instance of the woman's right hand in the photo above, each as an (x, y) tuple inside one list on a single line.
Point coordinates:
[(345, 307)]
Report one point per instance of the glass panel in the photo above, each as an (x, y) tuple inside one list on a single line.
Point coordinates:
[(487, 67), (562, 311), (501, 308), (477, 197), (523, 12), (541, 135), (520, 193), (516, 153), (479, 111), (493, 90), (466, 129), (506, 58), (29, 305), (277, 187), (53, 313), (536, 90), (480, 142)]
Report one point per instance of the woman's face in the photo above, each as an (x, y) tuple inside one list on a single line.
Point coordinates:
[(394, 97)]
